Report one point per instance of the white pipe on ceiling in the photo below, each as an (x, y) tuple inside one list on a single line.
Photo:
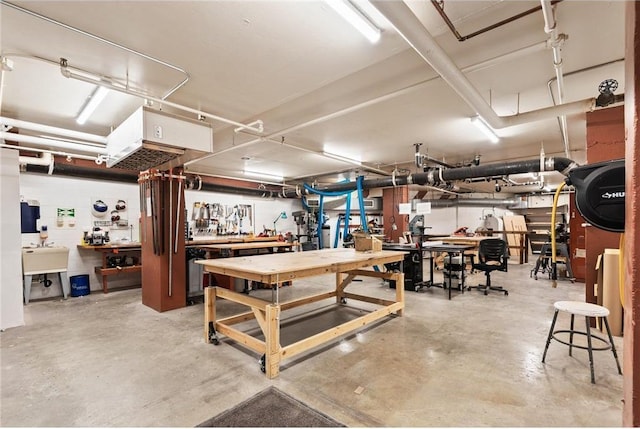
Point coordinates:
[(64, 69), (418, 37), (551, 28), (52, 152), (45, 159), (108, 42), (59, 144), (52, 130)]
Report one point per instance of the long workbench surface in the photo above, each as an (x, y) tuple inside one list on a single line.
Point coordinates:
[(279, 267)]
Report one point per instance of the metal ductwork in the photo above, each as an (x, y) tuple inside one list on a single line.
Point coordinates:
[(441, 176), (153, 139), (124, 176)]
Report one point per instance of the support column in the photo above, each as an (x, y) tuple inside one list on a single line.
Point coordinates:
[(164, 281), (631, 352), (605, 141)]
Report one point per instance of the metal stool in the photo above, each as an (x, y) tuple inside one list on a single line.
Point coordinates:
[(587, 310)]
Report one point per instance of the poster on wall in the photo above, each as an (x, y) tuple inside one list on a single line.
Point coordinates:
[(65, 218)]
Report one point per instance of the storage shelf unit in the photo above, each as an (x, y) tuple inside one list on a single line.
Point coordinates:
[(539, 224)]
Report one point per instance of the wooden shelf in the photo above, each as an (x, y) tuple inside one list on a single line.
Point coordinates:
[(117, 270)]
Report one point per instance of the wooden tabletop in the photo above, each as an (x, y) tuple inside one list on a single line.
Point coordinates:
[(279, 267)]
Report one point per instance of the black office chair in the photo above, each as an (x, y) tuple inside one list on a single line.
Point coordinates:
[(492, 256)]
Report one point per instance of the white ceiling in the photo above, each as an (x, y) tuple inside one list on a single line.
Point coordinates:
[(292, 62)]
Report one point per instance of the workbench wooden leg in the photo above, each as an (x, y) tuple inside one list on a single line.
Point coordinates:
[(399, 290), (338, 289), (272, 340), (105, 288), (209, 310)]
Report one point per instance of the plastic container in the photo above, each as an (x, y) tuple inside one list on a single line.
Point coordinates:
[(80, 285)]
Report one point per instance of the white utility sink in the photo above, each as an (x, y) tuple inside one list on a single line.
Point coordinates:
[(45, 260)]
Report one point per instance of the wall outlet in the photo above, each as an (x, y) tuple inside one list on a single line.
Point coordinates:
[(157, 131)]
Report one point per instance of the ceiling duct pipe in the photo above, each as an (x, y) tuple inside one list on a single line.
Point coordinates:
[(47, 129), (438, 176), (124, 176), (418, 37)]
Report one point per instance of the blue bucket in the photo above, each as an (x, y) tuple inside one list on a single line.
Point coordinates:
[(80, 285)]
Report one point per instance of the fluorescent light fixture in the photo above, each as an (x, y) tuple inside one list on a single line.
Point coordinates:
[(342, 158), (259, 175), (353, 16), (96, 98), (486, 129)]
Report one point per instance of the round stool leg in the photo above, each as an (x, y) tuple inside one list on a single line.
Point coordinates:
[(571, 335), (593, 378), (546, 347), (613, 347)]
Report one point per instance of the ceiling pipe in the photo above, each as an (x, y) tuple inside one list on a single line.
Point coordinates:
[(45, 159), (419, 38), (32, 126), (439, 176), (108, 42), (52, 152), (66, 72), (439, 5), (59, 144), (557, 40)]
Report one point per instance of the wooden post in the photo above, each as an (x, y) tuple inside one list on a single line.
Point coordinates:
[(209, 310), (399, 278), (272, 340), (338, 290)]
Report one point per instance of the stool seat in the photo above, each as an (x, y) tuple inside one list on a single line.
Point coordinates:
[(582, 308)]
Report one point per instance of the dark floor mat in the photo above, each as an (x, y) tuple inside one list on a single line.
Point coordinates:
[(271, 408)]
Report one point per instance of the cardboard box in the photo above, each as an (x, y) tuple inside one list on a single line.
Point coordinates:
[(366, 242)]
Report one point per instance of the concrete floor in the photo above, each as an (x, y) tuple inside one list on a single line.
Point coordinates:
[(108, 360)]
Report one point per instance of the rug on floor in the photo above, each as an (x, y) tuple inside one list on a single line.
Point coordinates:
[(271, 408)]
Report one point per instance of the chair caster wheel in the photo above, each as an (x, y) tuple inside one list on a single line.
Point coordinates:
[(506, 293), (343, 300), (262, 363), (486, 292)]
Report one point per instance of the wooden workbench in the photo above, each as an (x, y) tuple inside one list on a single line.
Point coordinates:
[(279, 267), (113, 249), (522, 246)]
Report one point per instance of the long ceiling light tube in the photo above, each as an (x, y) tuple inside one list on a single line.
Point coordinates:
[(21, 138), (342, 158), (64, 69), (92, 103), (419, 38), (356, 18), (52, 130), (257, 174), (108, 42), (486, 129)]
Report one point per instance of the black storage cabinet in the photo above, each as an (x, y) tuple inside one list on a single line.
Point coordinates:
[(412, 267)]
